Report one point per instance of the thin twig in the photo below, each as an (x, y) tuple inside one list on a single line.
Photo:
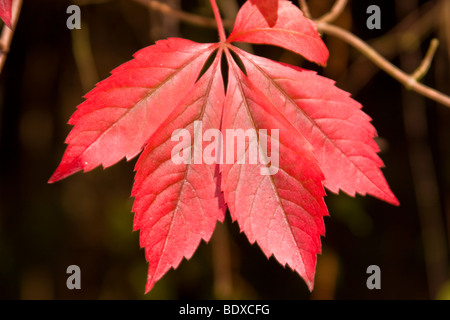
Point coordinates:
[(305, 8), (424, 66), (84, 58), (183, 16), (395, 41), (7, 33), (407, 80), (335, 11)]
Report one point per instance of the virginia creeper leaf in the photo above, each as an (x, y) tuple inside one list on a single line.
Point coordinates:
[(291, 31), (123, 111), (281, 212), (5, 11), (340, 133), (307, 134), (177, 205)]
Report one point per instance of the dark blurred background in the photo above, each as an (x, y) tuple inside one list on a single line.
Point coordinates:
[(86, 219)]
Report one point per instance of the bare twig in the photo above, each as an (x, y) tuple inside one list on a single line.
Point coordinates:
[(407, 80), (424, 66), (335, 11), (305, 8), (395, 41), (7, 33), (84, 58), (183, 16)]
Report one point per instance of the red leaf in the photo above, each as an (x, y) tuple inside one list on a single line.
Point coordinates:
[(340, 133), (5, 11), (123, 111), (281, 212), (177, 205), (291, 31), (269, 10), (302, 134)]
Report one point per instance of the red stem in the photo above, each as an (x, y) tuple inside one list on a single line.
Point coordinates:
[(220, 27)]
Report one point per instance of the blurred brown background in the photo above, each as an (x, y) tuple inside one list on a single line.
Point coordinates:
[(86, 219)]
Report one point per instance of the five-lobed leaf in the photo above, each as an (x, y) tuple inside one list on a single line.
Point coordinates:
[(323, 139)]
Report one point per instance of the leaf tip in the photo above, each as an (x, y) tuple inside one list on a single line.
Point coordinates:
[(56, 176), (64, 170), (310, 285), (393, 200), (387, 196), (51, 180)]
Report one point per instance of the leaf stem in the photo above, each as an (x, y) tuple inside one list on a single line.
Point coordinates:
[(220, 27), (335, 12)]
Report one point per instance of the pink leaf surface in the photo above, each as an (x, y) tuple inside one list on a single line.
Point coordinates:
[(281, 212), (291, 31), (5, 11), (177, 205), (123, 111), (268, 9), (339, 132)]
